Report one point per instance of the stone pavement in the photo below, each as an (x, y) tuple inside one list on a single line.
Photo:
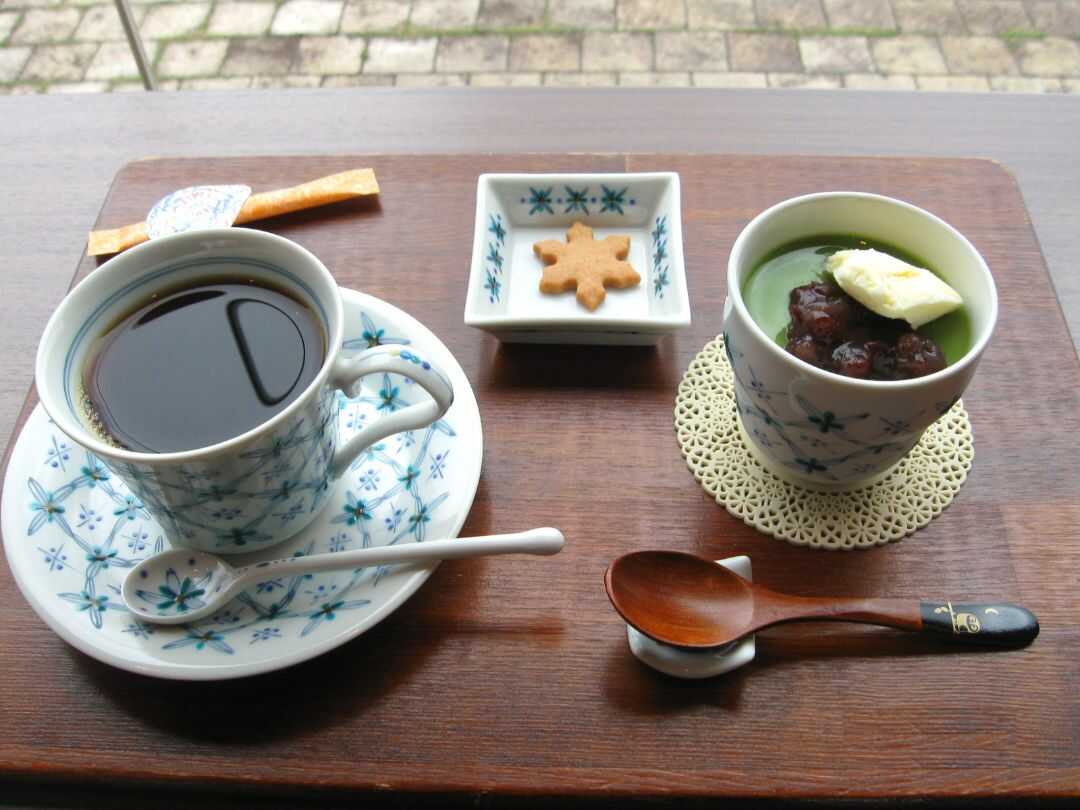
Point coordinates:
[(78, 46)]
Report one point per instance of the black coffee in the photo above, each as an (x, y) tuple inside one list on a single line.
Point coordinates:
[(200, 365)]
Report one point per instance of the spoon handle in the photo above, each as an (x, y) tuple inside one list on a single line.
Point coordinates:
[(995, 624), (535, 541), (999, 624)]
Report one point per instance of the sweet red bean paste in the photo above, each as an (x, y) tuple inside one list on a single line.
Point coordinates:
[(831, 330)]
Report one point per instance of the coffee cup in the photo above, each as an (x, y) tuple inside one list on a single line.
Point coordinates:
[(247, 491), (819, 429)]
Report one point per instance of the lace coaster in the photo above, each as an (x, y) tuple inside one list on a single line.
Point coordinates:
[(910, 495)]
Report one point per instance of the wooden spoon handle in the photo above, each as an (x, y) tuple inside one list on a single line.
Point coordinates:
[(996, 624), (1001, 625)]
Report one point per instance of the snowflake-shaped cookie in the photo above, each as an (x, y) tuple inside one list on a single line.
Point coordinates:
[(587, 264)]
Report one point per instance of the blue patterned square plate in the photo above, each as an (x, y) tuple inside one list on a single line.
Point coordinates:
[(514, 211), (72, 530)]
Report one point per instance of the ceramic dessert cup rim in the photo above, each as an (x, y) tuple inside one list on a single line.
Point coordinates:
[(85, 296), (735, 295)]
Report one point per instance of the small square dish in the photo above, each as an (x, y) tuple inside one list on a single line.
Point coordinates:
[(514, 211)]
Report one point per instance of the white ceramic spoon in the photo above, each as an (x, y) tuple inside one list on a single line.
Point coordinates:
[(181, 585)]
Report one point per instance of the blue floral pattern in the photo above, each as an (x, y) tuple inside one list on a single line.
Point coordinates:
[(816, 442), (661, 261), (571, 200), (386, 498), (494, 260)]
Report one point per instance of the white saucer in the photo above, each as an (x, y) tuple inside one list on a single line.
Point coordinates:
[(696, 664), (70, 557)]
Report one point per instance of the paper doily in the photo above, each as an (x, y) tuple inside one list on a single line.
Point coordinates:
[(911, 495)]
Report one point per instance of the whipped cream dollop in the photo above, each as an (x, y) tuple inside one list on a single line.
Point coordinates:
[(892, 288)]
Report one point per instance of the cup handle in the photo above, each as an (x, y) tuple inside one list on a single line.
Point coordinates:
[(396, 360)]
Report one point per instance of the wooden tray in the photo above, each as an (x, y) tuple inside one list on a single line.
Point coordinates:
[(513, 676)]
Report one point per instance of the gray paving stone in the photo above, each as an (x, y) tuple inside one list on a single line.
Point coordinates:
[(722, 15), (365, 16), (685, 43), (486, 53), (505, 80), (270, 56), (806, 81), (590, 15), (580, 79), (651, 79), (511, 14), (907, 54), (286, 82), (1062, 19), (167, 22), (307, 17), (7, 23), (651, 14), (876, 81), (431, 80), (327, 56), (185, 60), (860, 14), (243, 19), (102, 23), (691, 50), (836, 54), (706, 79), (978, 55), (772, 53), (444, 15), (113, 60), (232, 83), (46, 25), (365, 80), (400, 55), (994, 16), (953, 84), (791, 15), (617, 51), (1053, 56), (1025, 84), (11, 62), (50, 63), (545, 52), (929, 16), (77, 87)]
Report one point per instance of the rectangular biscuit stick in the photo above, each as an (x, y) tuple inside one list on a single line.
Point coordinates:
[(325, 190)]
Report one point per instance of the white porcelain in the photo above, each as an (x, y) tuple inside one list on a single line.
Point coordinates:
[(72, 530), (697, 664), (514, 211), (823, 430), (154, 592), (222, 498)]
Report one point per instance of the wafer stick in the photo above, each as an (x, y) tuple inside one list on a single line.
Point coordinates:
[(325, 190)]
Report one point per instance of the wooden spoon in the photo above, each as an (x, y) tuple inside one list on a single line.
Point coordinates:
[(688, 601)]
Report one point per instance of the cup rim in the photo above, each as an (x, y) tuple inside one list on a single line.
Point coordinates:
[(735, 294), (130, 261)]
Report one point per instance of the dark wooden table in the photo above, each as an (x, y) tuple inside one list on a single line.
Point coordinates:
[(480, 716)]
